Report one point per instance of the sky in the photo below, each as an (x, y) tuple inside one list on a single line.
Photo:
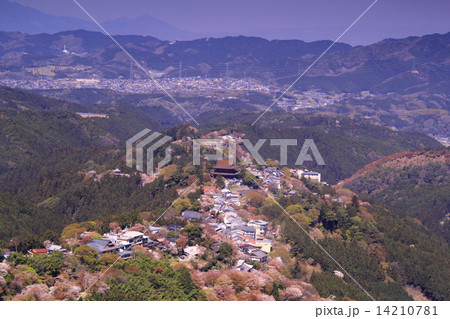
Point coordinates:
[(307, 20)]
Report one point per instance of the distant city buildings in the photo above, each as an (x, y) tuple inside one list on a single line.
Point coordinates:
[(184, 85)]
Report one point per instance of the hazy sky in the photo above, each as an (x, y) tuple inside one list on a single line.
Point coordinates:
[(284, 19)]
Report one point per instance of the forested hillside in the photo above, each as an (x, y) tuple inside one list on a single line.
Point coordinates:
[(414, 184)]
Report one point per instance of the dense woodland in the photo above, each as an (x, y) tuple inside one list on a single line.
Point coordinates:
[(413, 183)]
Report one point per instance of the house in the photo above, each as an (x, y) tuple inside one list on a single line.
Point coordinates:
[(234, 223), (247, 231), (248, 249), (272, 180), (230, 219), (314, 176), (219, 201), (221, 228), (174, 227), (103, 246), (153, 244), (191, 215), (232, 196), (264, 245), (52, 248), (260, 256), (131, 238), (260, 228), (38, 251), (125, 254), (272, 170), (243, 266)]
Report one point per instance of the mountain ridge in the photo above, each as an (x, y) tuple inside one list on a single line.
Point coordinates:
[(16, 17)]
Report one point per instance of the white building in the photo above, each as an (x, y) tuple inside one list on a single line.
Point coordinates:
[(131, 238), (314, 176)]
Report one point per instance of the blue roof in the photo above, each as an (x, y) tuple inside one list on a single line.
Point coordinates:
[(249, 229), (259, 254), (98, 244)]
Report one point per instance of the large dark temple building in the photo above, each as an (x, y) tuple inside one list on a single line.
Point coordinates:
[(225, 169)]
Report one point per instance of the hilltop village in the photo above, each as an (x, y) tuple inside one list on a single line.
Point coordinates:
[(219, 228)]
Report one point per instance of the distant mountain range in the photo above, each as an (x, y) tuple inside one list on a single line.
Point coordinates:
[(259, 57), (15, 17), (405, 65)]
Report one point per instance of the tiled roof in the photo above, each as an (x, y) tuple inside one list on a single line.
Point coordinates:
[(39, 251), (98, 244)]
